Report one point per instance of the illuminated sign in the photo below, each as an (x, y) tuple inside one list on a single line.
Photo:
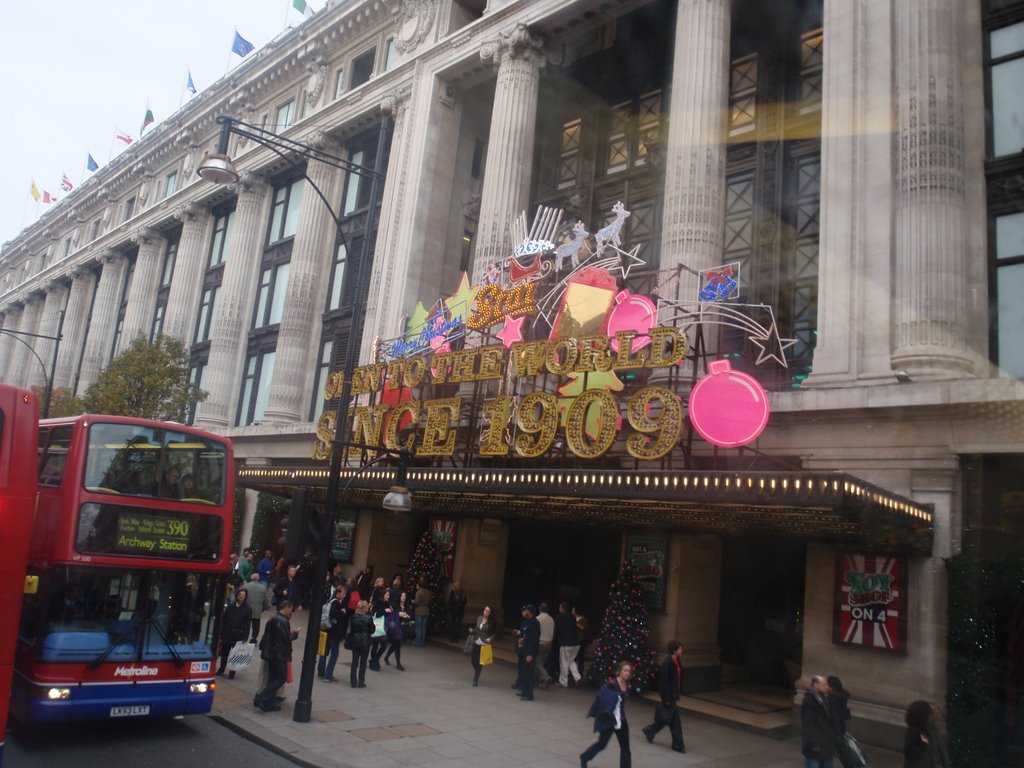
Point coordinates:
[(554, 307)]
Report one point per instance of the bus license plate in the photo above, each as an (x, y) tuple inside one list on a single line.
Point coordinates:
[(129, 711)]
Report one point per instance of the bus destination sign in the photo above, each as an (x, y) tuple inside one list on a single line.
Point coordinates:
[(151, 534)]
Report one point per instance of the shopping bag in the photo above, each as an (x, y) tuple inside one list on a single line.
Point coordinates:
[(321, 644), (851, 754), (240, 656), (486, 655), (378, 627), (288, 675)]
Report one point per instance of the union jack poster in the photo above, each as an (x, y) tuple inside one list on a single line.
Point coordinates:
[(443, 532), (871, 601)]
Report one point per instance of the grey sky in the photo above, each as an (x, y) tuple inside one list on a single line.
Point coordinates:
[(74, 70)]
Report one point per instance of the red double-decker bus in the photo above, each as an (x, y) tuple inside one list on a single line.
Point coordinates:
[(130, 548), (19, 420)]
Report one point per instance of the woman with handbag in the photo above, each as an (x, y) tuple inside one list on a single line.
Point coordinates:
[(360, 629), (483, 633), (396, 614), (338, 619), (234, 627), (380, 600)]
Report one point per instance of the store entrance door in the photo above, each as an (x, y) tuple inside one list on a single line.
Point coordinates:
[(761, 617), (551, 562)]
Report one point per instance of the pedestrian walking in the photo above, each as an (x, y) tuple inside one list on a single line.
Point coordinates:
[(567, 638), (819, 737), (923, 742), (670, 686), (609, 713), (547, 636), (257, 601), (457, 600), (360, 629), (276, 650), (379, 599), (396, 614), (422, 612), (234, 627), (527, 644), (337, 626), (483, 629)]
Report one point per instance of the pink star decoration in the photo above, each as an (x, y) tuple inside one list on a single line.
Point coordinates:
[(513, 330)]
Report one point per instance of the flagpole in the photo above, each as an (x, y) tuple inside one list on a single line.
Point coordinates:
[(287, 3), (230, 51), (113, 138), (181, 95)]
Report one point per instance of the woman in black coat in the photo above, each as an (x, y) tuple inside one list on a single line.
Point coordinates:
[(484, 630), (360, 627), (234, 627)]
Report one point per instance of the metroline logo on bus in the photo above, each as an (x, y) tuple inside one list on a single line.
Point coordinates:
[(142, 671), (570, 322)]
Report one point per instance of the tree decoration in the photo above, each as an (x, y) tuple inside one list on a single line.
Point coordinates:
[(424, 567), (624, 634)]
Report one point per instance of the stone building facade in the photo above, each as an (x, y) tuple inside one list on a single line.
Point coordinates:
[(838, 151)]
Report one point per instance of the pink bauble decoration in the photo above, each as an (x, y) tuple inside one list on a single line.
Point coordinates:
[(728, 408), (633, 312)]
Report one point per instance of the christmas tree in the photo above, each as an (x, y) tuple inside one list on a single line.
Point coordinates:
[(624, 634), (424, 568)]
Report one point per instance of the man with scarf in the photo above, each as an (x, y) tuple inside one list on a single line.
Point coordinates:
[(819, 735), (670, 686)]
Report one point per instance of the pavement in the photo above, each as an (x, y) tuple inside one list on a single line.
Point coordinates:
[(430, 716)]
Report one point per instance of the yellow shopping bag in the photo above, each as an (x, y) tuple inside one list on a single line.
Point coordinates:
[(486, 655)]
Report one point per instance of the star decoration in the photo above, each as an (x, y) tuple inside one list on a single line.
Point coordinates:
[(629, 260), (770, 340), (414, 324), (460, 302), (513, 330)]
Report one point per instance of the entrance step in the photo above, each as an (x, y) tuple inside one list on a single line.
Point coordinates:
[(756, 708)]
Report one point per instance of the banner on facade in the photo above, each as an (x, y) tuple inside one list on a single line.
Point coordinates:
[(344, 535), (647, 555), (443, 532), (871, 598)]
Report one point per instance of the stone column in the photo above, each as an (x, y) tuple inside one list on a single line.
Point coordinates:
[(186, 287), (138, 315), (693, 216), (104, 318), (56, 298), (76, 318), (12, 322), (854, 261), (517, 55), (22, 361), (227, 347), (393, 252), (929, 324), (298, 334)]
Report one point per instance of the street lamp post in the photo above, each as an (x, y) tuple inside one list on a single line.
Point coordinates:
[(47, 378), (219, 169)]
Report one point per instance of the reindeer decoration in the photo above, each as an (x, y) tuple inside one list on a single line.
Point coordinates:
[(572, 247), (610, 233)]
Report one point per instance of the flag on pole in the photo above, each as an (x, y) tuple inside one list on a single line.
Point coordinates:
[(65, 183), (146, 120), (241, 46), (123, 137), (190, 86), (90, 164), (48, 198), (302, 7), (34, 191)]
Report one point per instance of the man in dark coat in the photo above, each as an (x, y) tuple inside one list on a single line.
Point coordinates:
[(234, 627), (289, 587), (457, 600), (819, 735), (276, 650), (670, 686), (527, 646)]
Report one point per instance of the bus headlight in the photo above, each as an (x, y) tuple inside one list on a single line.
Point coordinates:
[(58, 694), (200, 687)]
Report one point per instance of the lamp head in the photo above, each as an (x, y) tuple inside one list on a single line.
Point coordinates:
[(217, 168), (902, 376), (398, 499)]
